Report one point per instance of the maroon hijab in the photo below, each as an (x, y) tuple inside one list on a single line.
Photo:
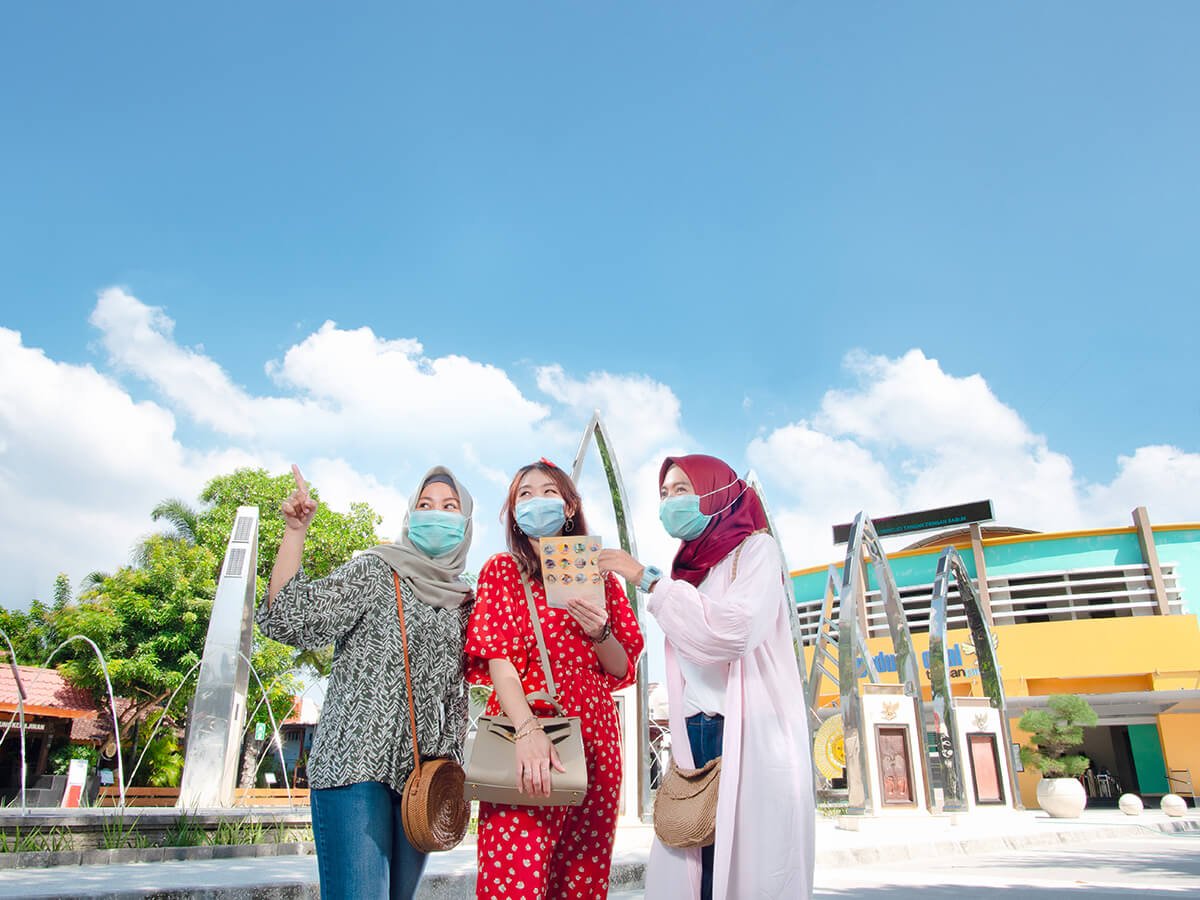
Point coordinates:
[(728, 528)]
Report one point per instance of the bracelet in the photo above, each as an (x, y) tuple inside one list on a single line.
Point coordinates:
[(524, 732), (532, 718), (603, 635)]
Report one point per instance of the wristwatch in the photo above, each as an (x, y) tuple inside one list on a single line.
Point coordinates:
[(650, 574)]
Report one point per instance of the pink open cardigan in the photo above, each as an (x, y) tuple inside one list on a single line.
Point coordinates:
[(765, 817)]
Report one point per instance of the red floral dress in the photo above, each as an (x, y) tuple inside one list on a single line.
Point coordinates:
[(553, 852)]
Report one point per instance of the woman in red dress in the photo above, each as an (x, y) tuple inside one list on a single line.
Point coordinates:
[(553, 852)]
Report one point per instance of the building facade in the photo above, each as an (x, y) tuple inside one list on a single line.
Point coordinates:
[(1109, 614)]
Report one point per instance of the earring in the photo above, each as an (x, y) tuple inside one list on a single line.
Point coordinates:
[(570, 526)]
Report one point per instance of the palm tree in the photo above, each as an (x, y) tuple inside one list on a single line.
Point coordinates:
[(93, 581), (181, 516), (183, 519)]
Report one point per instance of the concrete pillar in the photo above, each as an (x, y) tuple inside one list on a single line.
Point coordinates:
[(981, 587), (1141, 521)]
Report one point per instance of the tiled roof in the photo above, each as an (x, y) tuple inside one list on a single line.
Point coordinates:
[(98, 726), (45, 689), (304, 712)]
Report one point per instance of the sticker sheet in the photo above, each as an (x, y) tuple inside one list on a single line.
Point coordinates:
[(570, 568)]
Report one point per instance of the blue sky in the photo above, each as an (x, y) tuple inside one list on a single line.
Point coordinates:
[(890, 254)]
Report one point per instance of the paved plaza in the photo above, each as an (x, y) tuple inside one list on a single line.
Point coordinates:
[(1021, 854)]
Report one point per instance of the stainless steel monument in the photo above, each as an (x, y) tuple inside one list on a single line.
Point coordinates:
[(219, 708)]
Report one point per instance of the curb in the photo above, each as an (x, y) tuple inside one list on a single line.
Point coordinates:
[(45, 860), (886, 853)]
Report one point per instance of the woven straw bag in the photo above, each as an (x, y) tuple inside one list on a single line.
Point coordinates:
[(432, 807), (685, 809)]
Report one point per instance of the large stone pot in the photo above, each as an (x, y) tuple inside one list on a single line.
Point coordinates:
[(1062, 798)]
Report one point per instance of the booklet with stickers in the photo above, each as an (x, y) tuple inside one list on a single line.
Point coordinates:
[(571, 568)]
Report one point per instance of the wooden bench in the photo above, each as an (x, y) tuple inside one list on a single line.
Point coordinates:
[(138, 796), (167, 796)]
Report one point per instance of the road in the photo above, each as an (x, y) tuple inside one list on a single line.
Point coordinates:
[(1155, 866)]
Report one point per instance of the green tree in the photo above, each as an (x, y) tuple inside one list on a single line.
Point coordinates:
[(182, 517), (150, 623), (332, 538), (1054, 732), (33, 633)]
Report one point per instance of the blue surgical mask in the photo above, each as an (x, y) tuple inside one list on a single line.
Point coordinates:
[(681, 515), (434, 532), (682, 518), (541, 516)]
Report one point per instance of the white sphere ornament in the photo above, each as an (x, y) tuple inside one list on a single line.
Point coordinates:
[(1130, 804), (1173, 805), (1061, 798)]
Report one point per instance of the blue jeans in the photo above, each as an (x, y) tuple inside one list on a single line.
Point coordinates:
[(362, 851), (706, 734)]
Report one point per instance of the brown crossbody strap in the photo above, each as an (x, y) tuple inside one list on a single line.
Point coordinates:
[(545, 657), (412, 709)]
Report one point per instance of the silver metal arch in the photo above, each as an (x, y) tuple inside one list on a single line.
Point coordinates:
[(595, 431), (751, 478), (818, 671), (863, 537), (12, 662), (950, 565)]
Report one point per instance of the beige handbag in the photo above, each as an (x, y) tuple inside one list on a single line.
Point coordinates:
[(685, 807), (492, 769), (432, 807)]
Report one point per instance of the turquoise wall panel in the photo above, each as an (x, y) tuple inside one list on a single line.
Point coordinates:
[(1183, 548)]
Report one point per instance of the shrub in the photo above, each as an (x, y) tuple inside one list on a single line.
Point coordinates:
[(1054, 732)]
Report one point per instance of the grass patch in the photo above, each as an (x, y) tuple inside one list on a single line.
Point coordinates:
[(116, 835), (184, 832), (36, 840), (243, 831)]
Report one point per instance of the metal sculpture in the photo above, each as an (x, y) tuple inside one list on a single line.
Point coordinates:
[(219, 708), (595, 431), (950, 565), (793, 617), (863, 539), (823, 655), (16, 673)]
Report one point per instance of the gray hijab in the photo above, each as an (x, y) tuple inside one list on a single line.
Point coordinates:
[(433, 581)]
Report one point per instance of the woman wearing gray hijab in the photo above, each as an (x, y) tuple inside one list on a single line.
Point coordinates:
[(362, 753)]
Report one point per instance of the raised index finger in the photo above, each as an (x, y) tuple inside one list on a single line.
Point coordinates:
[(300, 485)]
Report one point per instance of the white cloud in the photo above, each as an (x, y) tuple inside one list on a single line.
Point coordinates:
[(1166, 480), (336, 382), (340, 484), (82, 466), (641, 415), (911, 436)]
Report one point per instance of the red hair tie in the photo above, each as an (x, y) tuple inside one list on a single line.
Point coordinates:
[(547, 462)]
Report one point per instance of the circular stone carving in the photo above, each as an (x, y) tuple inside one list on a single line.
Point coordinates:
[(1173, 805), (1130, 804)]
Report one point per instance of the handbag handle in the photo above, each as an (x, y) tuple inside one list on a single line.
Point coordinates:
[(552, 697), (412, 710)]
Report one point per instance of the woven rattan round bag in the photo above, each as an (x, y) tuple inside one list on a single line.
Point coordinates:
[(433, 810), (685, 808)]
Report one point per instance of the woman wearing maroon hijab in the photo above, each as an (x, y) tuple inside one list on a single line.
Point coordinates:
[(733, 687)]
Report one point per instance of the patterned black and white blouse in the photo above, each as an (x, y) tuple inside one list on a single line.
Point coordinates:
[(363, 734)]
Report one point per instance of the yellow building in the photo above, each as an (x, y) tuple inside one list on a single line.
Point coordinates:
[(1105, 613)]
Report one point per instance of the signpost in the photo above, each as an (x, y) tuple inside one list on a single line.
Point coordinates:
[(925, 520)]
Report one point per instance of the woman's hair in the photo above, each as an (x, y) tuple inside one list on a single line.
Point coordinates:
[(519, 543)]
